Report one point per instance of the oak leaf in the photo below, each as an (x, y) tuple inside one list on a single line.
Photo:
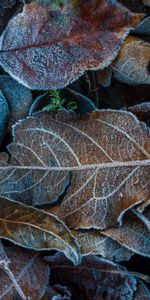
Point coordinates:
[(99, 164), (63, 43)]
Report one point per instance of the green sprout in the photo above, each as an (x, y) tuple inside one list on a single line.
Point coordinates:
[(56, 103)]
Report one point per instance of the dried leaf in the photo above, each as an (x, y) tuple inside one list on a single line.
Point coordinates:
[(141, 110), (31, 273), (19, 98), (104, 77), (63, 43), (35, 229), (7, 10), (96, 283), (4, 115), (133, 235), (47, 161), (132, 63), (142, 293), (143, 27), (93, 242)]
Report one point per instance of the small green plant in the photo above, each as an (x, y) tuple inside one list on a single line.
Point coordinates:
[(56, 103)]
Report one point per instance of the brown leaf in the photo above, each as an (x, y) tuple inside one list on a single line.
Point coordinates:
[(63, 43), (93, 242), (132, 63), (101, 279), (30, 272), (47, 160), (35, 229), (133, 235)]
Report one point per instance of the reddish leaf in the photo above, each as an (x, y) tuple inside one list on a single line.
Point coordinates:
[(31, 273), (49, 48)]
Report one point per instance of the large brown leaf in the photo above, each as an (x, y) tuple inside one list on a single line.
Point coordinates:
[(35, 229), (47, 48), (30, 273), (100, 162)]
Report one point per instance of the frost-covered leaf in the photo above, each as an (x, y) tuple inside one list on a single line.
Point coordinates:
[(19, 98), (141, 110), (99, 163), (142, 292), (133, 235), (45, 48), (132, 63), (143, 27), (7, 10), (35, 229), (94, 279), (4, 115), (93, 242), (30, 272)]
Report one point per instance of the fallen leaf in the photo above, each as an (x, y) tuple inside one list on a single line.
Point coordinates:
[(29, 270), (133, 235), (142, 293), (143, 27), (47, 161), (132, 63), (35, 229), (7, 10), (93, 242), (141, 110), (19, 98), (101, 279), (4, 116), (63, 43)]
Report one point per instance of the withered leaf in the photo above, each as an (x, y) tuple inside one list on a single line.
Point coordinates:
[(142, 293), (19, 98), (63, 43), (100, 163), (99, 280), (7, 10), (30, 271), (143, 27), (93, 242), (4, 115), (132, 63), (35, 229), (133, 234)]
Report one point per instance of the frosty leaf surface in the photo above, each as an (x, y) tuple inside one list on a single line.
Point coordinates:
[(45, 47), (99, 164)]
